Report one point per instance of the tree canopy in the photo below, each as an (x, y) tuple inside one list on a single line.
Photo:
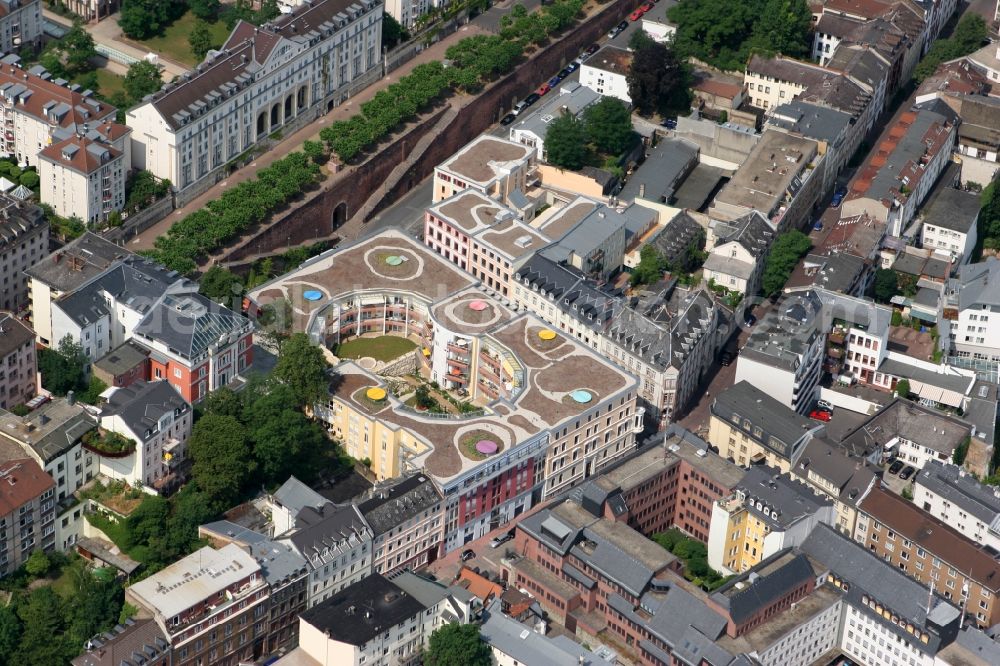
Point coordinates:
[(302, 367), (201, 41), (969, 35), (141, 19), (724, 33), (609, 126), (658, 79), (63, 369), (221, 454), (566, 142), (786, 251), (392, 32), (885, 285), (142, 78), (457, 645), (221, 286)]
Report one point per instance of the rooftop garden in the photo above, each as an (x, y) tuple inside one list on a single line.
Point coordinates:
[(468, 444), (108, 443), (383, 348)]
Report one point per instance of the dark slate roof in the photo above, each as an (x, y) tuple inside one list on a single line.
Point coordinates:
[(362, 611), (979, 284), (849, 476), (785, 501), (657, 177), (142, 404), (753, 591), (810, 120), (122, 358), (295, 496), (189, 323), (961, 489), (923, 426), (782, 427), (392, 506), (121, 645), (869, 575), (753, 231), (135, 281), (673, 240), (13, 334), (952, 209), (325, 528), (77, 262)]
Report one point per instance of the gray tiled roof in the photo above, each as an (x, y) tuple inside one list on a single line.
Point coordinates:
[(753, 231), (849, 476), (13, 334), (867, 574), (524, 645), (923, 426), (673, 240), (278, 561), (785, 501), (952, 209), (77, 262), (391, 506), (781, 427), (979, 284), (142, 404), (787, 332), (656, 178), (329, 527), (135, 281), (811, 120), (957, 486), (295, 496), (755, 590)]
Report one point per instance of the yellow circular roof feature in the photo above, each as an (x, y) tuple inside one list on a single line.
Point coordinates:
[(547, 334), (375, 393)]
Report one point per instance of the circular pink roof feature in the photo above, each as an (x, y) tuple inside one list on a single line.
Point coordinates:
[(478, 306), (486, 446)]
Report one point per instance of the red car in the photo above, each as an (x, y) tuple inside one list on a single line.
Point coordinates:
[(820, 415), (542, 89), (637, 14)]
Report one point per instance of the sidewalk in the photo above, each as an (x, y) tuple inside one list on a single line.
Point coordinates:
[(292, 142)]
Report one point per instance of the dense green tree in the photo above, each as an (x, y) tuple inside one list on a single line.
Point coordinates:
[(29, 179), (457, 645), (10, 634), (902, 388), (142, 78), (142, 188), (92, 394), (221, 286), (885, 285), (43, 641), (225, 402), (786, 251), (38, 564), (650, 267), (141, 19), (283, 438), (782, 27), (63, 369), (206, 10), (201, 41), (609, 126), (658, 79), (566, 142), (221, 455), (303, 368), (392, 32), (315, 151)]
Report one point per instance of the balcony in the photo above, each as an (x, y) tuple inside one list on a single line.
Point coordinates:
[(461, 364), (458, 350)]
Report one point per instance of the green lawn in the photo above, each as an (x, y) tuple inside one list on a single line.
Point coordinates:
[(383, 348), (173, 43), (109, 82)]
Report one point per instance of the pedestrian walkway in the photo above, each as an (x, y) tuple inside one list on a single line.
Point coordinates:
[(294, 141)]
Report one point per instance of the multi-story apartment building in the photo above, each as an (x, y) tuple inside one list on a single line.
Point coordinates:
[(93, 10), (76, 263), (38, 110), (668, 338), (606, 72), (158, 420), (408, 11), (956, 497), (901, 171), (492, 166), (555, 412), (771, 82), (886, 617), (737, 250), (932, 552), (337, 547), (85, 176), (670, 485), (18, 367), (910, 432), (836, 134), (52, 435), (287, 576), (27, 512), (20, 25), (748, 426), (568, 97), (134, 637), (24, 240), (767, 513), (378, 622), (212, 606), (407, 524), (949, 224), (972, 304), (261, 81), (846, 481), (781, 178)]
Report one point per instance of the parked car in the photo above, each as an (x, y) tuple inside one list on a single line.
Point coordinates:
[(519, 107), (838, 197), (637, 14), (895, 466), (817, 226), (572, 67), (670, 123), (564, 72), (542, 89), (748, 318), (820, 415), (907, 472), (532, 98), (618, 29), (592, 49), (500, 540), (468, 554), (825, 404), (508, 119)]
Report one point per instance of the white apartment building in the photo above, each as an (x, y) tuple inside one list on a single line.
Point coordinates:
[(305, 62), (337, 546), (36, 110), (24, 241), (606, 72), (408, 11), (158, 420), (737, 251), (378, 622), (975, 295), (949, 223), (20, 25), (18, 367), (494, 167), (84, 177), (954, 496)]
